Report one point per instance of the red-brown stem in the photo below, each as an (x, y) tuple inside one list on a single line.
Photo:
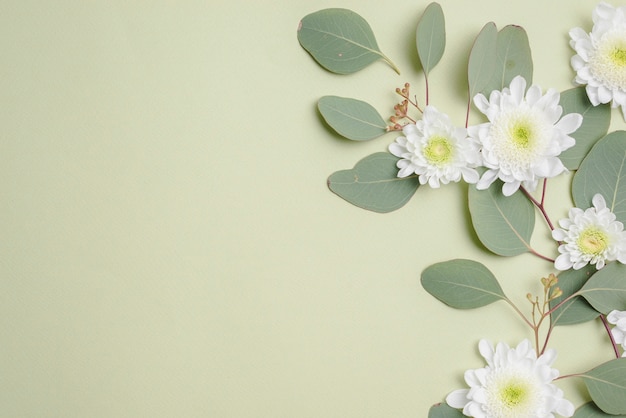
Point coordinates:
[(608, 331)]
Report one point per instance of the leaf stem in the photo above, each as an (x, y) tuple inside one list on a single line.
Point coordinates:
[(426, 83), (539, 204), (608, 331)]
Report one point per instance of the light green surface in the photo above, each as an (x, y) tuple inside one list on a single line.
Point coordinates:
[(169, 245)]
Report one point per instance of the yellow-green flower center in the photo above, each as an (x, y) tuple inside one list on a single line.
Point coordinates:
[(521, 135), (618, 56), (513, 394), (438, 151), (592, 241), (608, 62)]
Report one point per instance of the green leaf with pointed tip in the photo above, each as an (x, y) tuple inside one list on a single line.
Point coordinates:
[(513, 58), (596, 120), (591, 410), (607, 386), (431, 37), (603, 171), (606, 289), (442, 410), (340, 40), (503, 224), (482, 59), (373, 184), (462, 284), (351, 118), (577, 309)]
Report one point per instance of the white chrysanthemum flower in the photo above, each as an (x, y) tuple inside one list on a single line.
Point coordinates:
[(600, 60), (524, 137), (618, 318), (592, 236), (514, 384), (435, 150)]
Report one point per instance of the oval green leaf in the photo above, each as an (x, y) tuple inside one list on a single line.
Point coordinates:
[(606, 289), (513, 58), (503, 224), (373, 184), (596, 120), (351, 118), (340, 40), (482, 59), (591, 410), (577, 309), (462, 284), (607, 386), (431, 37), (443, 410), (603, 171)]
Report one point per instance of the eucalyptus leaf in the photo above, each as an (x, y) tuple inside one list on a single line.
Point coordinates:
[(603, 171), (482, 59), (462, 284), (373, 184), (513, 58), (340, 40), (607, 386), (443, 410), (606, 289), (351, 118), (503, 224), (577, 309), (591, 410), (431, 37), (596, 120)]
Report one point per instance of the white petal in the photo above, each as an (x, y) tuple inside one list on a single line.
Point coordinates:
[(457, 398)]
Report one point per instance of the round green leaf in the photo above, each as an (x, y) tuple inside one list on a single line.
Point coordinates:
[(462, 284), (503, 224), (442, 410), (482, 59), (596, 120), (351, 118), (340, 41), (373, 184), (606, 289), (577, 309), (591, 410), (604, 171), (431, 37), (607, 386)]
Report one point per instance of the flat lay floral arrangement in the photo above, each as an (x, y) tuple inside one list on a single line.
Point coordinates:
[(528, 136)]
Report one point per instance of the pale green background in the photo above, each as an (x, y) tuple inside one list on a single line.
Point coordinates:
[(169, 245)]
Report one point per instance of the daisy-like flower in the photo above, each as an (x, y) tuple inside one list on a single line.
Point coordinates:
[(435, 150), (618, 318), (592, 236), (600, 60), (524, 137), (514, 384)]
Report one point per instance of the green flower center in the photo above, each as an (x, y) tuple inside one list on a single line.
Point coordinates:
[(513, 394), (592, 241), (618, 56), (439, 150), (521, 135)]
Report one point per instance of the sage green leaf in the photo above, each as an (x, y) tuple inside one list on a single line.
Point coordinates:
[(503, 224), (462, 284), (482, 59), (373, 184), (513, 58), (340, 40), (577, 309), (442, 410), (591, 410), (351, 118), (596, 120), (606, 289), (603, 171), (431, 37), (607, 386)]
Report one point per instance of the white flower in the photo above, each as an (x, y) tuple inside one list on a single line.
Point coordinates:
[(515, 383), (618, 318), (436, 151), (592, 236), (600, 60), (524, 137)]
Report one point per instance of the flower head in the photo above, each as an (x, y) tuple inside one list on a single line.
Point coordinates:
[(515, 383), (600, 60), (618, 318), (436, 151), (592, 236), (524, 137)]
